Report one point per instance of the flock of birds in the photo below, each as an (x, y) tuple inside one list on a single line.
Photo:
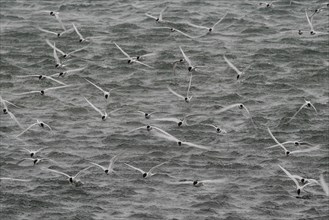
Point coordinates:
[(300, 182)]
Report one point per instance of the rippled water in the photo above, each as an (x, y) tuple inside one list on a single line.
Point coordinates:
[(286, 69)]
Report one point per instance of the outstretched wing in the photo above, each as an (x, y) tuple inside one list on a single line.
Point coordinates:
[(94, 107), (175, 93), (122, 51), (135, 168), (232, 66)]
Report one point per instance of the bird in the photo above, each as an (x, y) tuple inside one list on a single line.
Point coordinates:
[(217, 128), (239, 105), (312, 31), (190, 66), (43, 77), (103, 115), (296, 143), (42, 92), (108, 169), (198, 183), (82, 39), (40, 123), (299, 188), (306, 180), (71, 179), (266, 4), (240, 73), (187, 98), (68, 72), (65, 55), (35, 160), (146, 115), (324, 185), (146, 174), (105, 93), (157, 19), (131, 59), (33, 153), (291, 152), (179, 122), (58, 34), (5, 107), (57, 60), (166, 135), (306, 104), (210, 29)]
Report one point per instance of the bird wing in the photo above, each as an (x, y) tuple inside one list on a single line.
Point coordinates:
[(79, 173), (305, 150), (137, 61), (153, 168), (276, 141), (168, 119), (137, 129), (160, 16), (58, 172), (122, 51), (220, 20), (213, 181), (55, 55), (54, 47), (211, 125), (175, 93), (12, 116), (57, 87), (197, 26), (232, 66), (185, 57), (227, 108), (151, 16), (103, 168), (27, 76), (12, 179), (289, 175), (28, 128), (76, 30), (60, 21), (46, 31), (135, 168), (308, 20), (324, 185), (186, 35), (196, 145), (314, 108), (189, 86), (94, 107), (297, 111), (55, 80), (47, 126), (112, 161), (95, 85), (75, 70)]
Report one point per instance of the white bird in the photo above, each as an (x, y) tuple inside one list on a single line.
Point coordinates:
[(12, 116), (306, 180), (58, 34), (68, 72), (190, 66), (5, 107), (149, 173), (65, 55), (57, 60), (33, 153), (82, 39), (187, 98), (131, 59), (166, 135), (108, 169), (210, 29), (312, 31), (104, 115), (296, 143), (40, 123), (318, 10), (179, 122), (12, 179), (148, 128), (42, 92), (239, 105), (106, 93), (35, 160), (240, 73), (71, 179), (299, 188), (306, 104), (266, 4), (324, 185), (198, 183), (157, 19), (43, 77), (217, 128), (146, 115), (291, 152)]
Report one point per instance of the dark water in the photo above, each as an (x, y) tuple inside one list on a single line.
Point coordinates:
[(286, 69)]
